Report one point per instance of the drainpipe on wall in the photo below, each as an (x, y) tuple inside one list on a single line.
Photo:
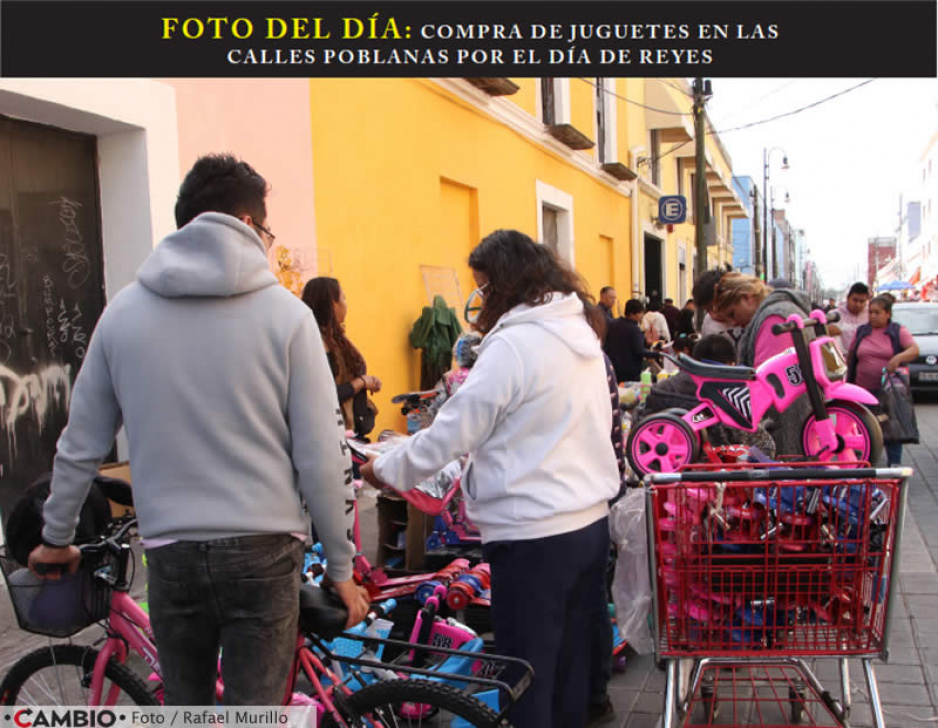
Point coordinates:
[(636, 233)]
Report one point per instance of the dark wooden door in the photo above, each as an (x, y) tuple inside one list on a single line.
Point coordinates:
[(51, 289)]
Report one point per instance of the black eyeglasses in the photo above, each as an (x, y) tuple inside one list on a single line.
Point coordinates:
[(265, 231)]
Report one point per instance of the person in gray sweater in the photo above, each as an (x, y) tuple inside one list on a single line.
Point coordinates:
[(220, 379)]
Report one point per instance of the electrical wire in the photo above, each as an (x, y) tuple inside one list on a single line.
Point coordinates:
[(797, 111), (774, 118), (633, 102), (677, 88), (723, 131)]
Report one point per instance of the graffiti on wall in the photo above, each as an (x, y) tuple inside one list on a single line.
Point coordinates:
[(34, 396)]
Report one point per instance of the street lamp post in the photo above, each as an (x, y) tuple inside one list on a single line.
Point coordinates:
[(766, 193)]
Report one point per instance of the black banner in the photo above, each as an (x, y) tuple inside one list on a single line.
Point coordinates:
[(823, 38)]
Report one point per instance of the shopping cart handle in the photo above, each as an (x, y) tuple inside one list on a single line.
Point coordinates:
[(771, 474)]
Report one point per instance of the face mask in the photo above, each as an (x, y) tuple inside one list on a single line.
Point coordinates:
[(474, 304)]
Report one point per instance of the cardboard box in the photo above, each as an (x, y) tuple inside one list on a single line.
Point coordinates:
[(121, 471)]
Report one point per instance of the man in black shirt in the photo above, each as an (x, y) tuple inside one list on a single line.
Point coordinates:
[(672, 315), (625, 343), (685, 324)]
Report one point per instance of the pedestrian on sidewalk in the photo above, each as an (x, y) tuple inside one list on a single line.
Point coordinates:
[(220, 376), (685, 324), (327, 301), (625, 343), (853, 314), (607, 302), (880, 344), (746, 301), (654, 324), (535, 418), (672, 315)]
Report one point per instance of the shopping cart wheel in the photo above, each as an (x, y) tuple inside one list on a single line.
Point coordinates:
[(797, 697)]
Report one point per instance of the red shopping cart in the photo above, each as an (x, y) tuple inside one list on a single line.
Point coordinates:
[(757, 570)]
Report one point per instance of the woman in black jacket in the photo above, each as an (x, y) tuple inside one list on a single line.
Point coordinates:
[(326, 299)]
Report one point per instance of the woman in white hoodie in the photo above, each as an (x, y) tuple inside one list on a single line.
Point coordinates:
[(535, 418)]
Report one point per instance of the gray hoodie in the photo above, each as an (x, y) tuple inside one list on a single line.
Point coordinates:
[(220, 378)]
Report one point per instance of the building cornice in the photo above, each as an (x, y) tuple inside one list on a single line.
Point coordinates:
[(515, 118)]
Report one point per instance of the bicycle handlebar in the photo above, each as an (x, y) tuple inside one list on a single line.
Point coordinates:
[(113, 543)]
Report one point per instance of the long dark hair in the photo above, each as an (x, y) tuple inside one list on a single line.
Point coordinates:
[(521, 271), (320, 294)]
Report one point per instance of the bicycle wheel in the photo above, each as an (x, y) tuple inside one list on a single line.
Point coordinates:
[(414, 703), (61, 675)]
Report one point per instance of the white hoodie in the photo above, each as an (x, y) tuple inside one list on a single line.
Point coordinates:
[(535, 417)]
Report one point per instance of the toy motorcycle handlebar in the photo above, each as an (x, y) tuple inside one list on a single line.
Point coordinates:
[(797, 322)]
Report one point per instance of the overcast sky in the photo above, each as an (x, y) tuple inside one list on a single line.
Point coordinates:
[(850, 157)]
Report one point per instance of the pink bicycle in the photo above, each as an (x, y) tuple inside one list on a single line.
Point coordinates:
[(343, 689), (840, 428)]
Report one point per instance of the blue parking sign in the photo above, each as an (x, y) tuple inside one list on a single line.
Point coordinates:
[(672, 209)]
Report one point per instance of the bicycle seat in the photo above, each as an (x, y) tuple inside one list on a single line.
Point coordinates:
[(715, 371), (322, 612)]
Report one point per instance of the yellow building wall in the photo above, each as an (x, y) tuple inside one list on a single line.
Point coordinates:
[(526, 97), (406, 174), (583, 109)]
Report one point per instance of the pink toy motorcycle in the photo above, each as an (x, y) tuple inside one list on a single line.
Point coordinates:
[(839, 428)]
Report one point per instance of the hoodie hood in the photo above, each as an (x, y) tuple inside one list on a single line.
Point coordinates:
[(214, 255), (787, 296), (562, 316)]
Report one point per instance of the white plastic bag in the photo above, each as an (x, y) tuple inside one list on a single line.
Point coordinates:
[(631, 585)]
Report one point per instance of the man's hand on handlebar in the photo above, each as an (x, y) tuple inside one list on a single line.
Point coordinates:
[(50, 562), (355, 598)]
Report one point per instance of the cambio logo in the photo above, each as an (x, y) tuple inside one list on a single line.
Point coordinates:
[(29, 718)]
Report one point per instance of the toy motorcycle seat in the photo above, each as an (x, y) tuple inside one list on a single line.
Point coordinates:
[(715, 371)]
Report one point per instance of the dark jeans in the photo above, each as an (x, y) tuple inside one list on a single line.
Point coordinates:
[(548, 595), (237, 594)]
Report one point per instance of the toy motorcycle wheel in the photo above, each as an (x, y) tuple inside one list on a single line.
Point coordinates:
[(859, 437), (661, 443)]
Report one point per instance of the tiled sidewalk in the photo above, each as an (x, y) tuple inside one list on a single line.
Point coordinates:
[(908, 684)]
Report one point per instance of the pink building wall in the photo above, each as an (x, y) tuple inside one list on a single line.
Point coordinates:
[(266, 122)]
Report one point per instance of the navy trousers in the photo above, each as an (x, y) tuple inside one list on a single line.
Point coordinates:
[(548, 595)]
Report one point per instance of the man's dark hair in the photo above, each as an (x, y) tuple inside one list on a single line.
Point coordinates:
[(704, 289), (669, 302), (859, 287), (654, 304), (715, 347), (606, 289), (633, 306), (221, 183), (521, 271), (688, 302)]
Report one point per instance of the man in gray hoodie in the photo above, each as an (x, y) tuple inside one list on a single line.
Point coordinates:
[(220, 377)]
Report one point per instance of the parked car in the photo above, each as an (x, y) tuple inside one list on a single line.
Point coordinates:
[(921, 319)]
